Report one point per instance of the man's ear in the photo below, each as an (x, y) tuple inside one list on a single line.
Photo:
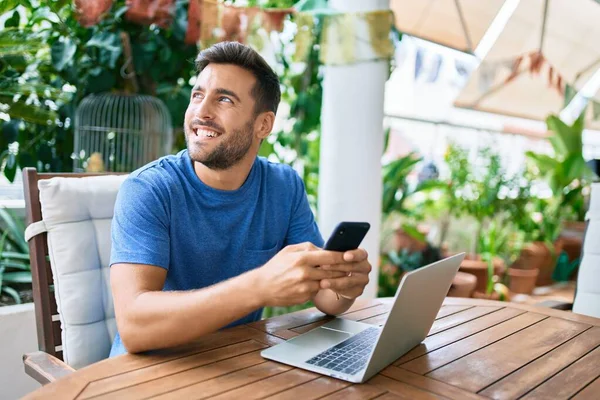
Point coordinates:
[(264, 124)]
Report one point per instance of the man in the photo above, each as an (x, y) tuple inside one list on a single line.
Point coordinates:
[(205, 239)]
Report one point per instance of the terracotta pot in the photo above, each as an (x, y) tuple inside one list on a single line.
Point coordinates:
[(522, 280), (532, 256), (548, 264), (476, 266), (463, 285)]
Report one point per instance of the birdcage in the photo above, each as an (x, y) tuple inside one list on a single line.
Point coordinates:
[(120, 132)]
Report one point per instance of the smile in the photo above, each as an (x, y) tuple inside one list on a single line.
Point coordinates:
[(206, 133)]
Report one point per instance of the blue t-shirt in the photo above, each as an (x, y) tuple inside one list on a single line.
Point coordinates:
[(167, 217)]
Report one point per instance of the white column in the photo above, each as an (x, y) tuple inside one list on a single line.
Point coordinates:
[(350, 186)]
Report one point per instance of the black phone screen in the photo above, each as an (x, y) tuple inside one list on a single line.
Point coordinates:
[(347, 236)]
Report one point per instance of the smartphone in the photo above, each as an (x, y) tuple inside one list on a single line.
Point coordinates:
[(347, 236)]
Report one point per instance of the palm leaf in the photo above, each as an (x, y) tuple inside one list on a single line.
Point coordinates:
[(27, 112), (17, 277), (12, 293), (15, 228), (19, 41), (15, 256)]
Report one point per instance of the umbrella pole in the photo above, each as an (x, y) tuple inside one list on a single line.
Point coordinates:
[(463, 23), (544, 19)]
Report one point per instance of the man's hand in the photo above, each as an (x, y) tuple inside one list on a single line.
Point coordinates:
[(291, 277), (356, 268)]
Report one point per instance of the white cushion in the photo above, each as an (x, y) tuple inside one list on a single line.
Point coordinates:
[(77, 213), (587, 298)]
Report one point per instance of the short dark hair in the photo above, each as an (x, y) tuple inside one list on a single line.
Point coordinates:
[(266, 91)]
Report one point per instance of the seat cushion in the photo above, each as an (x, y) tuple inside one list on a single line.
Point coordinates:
[(587, 298), (77, 213)]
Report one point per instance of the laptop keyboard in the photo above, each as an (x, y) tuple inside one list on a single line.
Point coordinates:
[(349, 356)]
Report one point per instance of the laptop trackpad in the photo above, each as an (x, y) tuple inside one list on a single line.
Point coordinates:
[(321, 338)]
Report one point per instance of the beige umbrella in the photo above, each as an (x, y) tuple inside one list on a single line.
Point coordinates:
[(459, 24), (545, 49)]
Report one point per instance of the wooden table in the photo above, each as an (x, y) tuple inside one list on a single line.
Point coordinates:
[(476, 349)]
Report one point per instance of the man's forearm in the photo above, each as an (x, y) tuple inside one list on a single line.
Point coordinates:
[(157, 319), (326, 301)]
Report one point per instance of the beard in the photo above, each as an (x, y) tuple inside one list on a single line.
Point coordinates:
[(230, 151)]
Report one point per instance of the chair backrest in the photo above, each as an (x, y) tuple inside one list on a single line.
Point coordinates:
[(587, 298), (69, 262)]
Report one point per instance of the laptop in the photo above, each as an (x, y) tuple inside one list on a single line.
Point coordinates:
[(355, 351)]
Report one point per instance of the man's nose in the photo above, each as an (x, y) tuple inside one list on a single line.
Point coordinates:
[(206, 109)]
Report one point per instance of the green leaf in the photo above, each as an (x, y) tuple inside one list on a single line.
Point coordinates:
[(15, 229), (266, 149), (17, 277), (413, 232), (28, 112), (14, 255), (15, 265), (109, 45), (10, 169), (13, 22), (13, 41), (9, 5), (62, 53), (12, 293), (544, 162), (566, 139)]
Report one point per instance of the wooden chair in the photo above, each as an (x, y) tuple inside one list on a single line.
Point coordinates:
[(45, 365)]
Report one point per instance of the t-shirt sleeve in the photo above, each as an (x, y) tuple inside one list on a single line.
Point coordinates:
[(303, 227), (140, 225)]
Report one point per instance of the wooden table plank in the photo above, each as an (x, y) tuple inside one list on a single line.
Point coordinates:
[(172, 367), (186, 378), (456, 350), (483, 367), (403, 390), (460, 318), (72, 385), (571, 380), (270, 386), (449, 310), (228, 382), (590, 392), (357, 392), (441, 339), (545, 367), (428, 384), (312, 390)]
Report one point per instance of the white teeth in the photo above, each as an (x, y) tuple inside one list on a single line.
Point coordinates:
[(206, 133)]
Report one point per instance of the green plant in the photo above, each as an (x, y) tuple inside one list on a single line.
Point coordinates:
[(49, 62), (15, 272), (479, 190), (396, 263), (565, 172)]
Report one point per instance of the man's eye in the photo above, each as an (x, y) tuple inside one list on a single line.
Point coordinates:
[(196, 95), (226, 99)]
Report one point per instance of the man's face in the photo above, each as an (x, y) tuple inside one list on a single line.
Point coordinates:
[(219, 121)]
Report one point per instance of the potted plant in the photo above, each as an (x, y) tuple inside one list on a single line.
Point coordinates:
[(568, 177), (478, 191)]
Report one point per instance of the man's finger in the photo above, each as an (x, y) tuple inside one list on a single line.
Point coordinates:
[(362, 267), (318, 274), (305, 246), (347, 282), (322, 257), (356, 255)]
